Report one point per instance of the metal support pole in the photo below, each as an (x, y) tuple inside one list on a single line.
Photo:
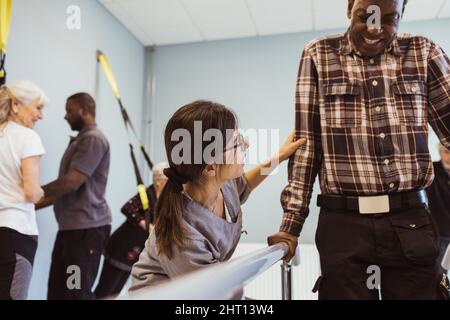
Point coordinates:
[(286, 281)]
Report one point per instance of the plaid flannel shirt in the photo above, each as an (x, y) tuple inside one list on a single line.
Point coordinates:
[(365, 120)]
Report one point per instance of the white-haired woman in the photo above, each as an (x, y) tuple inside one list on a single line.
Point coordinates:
[(21, 105), (126, 243)]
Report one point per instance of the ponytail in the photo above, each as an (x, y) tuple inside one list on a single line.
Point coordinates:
[(169, 226)]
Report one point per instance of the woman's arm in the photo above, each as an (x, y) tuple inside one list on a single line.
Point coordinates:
[(192, 257), (257, 175), (134, 211), (30, 172)]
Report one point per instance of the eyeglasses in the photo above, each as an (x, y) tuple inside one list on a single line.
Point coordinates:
[(241, 141)]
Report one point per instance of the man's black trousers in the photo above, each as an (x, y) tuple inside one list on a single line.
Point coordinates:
[(75, 262), (399, 250)]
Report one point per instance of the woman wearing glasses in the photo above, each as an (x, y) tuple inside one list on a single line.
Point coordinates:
[(198, 217)]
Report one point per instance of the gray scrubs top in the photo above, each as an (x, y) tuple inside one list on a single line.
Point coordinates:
[(212, 239)]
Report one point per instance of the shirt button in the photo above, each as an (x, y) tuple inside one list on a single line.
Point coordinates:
[(382, 136), (386, 162), (372, 61), (378, 109), (392, 185), (374, 83)]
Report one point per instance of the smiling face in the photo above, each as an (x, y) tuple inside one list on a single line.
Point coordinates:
[(368, 39), (28, 115)]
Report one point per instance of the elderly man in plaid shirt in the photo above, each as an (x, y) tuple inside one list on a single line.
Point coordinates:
[(363, 101)]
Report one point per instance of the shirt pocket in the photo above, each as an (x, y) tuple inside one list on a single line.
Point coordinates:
[(410, 102), (417, 236), (343, 105)]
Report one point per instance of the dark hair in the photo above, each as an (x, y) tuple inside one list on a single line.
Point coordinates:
[(85, 101), (352, 2), (169, 226)]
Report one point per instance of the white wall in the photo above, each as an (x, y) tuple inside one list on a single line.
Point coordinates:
[(256, 77), (63, 62)]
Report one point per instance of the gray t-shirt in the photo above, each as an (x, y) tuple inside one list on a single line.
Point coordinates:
[(212, 239), (85, 208)]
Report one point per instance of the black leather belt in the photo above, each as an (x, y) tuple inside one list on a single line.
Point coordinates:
[(374, 204)]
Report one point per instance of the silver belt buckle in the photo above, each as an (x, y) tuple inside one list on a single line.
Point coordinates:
[(373, 205)]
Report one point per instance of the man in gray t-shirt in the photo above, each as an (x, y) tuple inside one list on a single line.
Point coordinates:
[(78, 196), (88, 154)]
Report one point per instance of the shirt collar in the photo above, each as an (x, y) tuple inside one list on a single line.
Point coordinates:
[(347, 47), (86, 129), (83, 131)]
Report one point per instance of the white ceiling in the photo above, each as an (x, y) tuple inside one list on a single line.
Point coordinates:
[(163, 22)]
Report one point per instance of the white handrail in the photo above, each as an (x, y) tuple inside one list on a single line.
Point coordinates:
[(219, 282)]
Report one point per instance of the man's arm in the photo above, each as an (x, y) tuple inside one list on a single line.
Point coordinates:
[(305, 163), (134, 211), (68, 183), (439, 94)]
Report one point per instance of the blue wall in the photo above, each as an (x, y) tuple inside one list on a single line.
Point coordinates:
[(256, 77), (62, 62)]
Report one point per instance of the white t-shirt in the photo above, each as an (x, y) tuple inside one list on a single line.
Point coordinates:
[(16, 143)]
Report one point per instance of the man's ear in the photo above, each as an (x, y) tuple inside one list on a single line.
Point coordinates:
[(349, 9), (82, 111)]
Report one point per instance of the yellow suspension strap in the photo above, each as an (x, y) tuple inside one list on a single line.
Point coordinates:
[(5, 21), (101, 58)]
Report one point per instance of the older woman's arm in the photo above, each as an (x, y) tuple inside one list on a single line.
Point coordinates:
[(30, 172)]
